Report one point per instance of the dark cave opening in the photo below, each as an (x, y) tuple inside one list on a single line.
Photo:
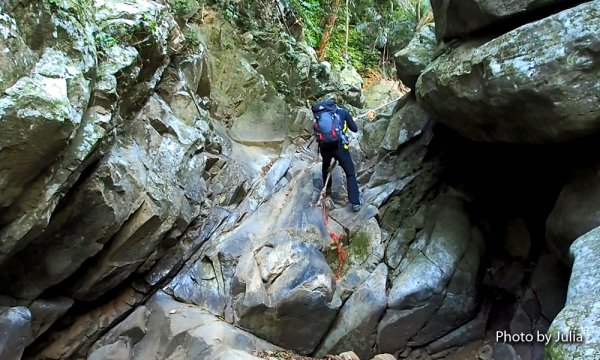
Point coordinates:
[(500, 183)]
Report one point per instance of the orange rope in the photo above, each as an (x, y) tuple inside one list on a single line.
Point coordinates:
[(336, 239)]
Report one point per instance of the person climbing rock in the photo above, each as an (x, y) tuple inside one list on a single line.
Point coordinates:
[(331, 124)]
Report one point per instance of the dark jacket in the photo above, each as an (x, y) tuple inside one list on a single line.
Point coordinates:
[(345, 115)]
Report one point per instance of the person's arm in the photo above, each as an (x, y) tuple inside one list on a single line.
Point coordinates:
[(350, 121)]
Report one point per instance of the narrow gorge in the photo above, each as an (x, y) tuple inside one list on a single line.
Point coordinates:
[(159, 186)]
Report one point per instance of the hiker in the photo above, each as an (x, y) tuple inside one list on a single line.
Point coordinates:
[(331, 123)]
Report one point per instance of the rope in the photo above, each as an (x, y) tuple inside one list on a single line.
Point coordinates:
[(334, 236), (371, 112), (336, 240)]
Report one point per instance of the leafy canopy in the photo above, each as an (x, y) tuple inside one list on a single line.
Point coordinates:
[(377, 28)]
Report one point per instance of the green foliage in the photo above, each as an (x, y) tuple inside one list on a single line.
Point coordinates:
[(182, 8), (78, 8), (378, 28), (312, 13), (192, 40), (242, 13), (147, 25), (104, 40)]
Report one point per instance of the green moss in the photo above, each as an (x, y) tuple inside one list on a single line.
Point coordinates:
[(359, 246), (184, 8), (357, 251), (192, 40)]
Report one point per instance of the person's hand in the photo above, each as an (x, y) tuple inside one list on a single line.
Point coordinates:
[(371, 114)]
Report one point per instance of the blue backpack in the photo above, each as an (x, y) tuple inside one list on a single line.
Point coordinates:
[(328, 125)]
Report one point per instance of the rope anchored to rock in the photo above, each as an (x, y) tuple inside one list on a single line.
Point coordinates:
[(334, 236)]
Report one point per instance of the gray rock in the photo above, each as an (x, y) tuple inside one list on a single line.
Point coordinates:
[(349, 282), (404, 125), (15, 331), (383, 91), (44, 312), (182, 331), (200, 283), (575, 211), (577, 321), (478, 86), (460, 300), (429, 272), (41, 109), (15, 56), (373, 135), (584, 256), (75, 340), (398, 245), (472, 330), (119, 350), (134, 198), (460, 18), (284, 294), (423, 296), (132, 329), (397, 327), (355, 326), (205, 280), (414, 58), (32, 108), (504, 351), (349, 85), (549, 282)]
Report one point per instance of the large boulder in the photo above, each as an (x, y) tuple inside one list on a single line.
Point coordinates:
[(434, 289), (15, 331), (248, 102), (75, 340), (457, 18), (43, 101), (404, 125), (167, 329), (414, 58), (355, 327), (349, 85), (129, 40), (134, 197), (284, 294), (535, 84), (575, 212), (575, 332), (268, 217), (16, 58)]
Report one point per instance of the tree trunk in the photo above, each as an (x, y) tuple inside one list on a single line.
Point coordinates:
[(335, 6)]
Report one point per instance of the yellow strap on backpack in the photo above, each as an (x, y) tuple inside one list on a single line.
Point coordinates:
[(346, 146)]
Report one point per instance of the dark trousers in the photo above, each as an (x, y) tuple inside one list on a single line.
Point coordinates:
[(343, 157)]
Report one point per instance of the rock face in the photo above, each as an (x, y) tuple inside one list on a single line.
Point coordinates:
[(288, 303), (576, 325), (168, 329), (355, 326), (457, 18), (405, 124), (414, 58), (575, 211), (15, 331), (435, 287), (43, 106), (518, 87)]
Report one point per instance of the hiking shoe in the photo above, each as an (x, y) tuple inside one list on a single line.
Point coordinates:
[(356, 207)]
